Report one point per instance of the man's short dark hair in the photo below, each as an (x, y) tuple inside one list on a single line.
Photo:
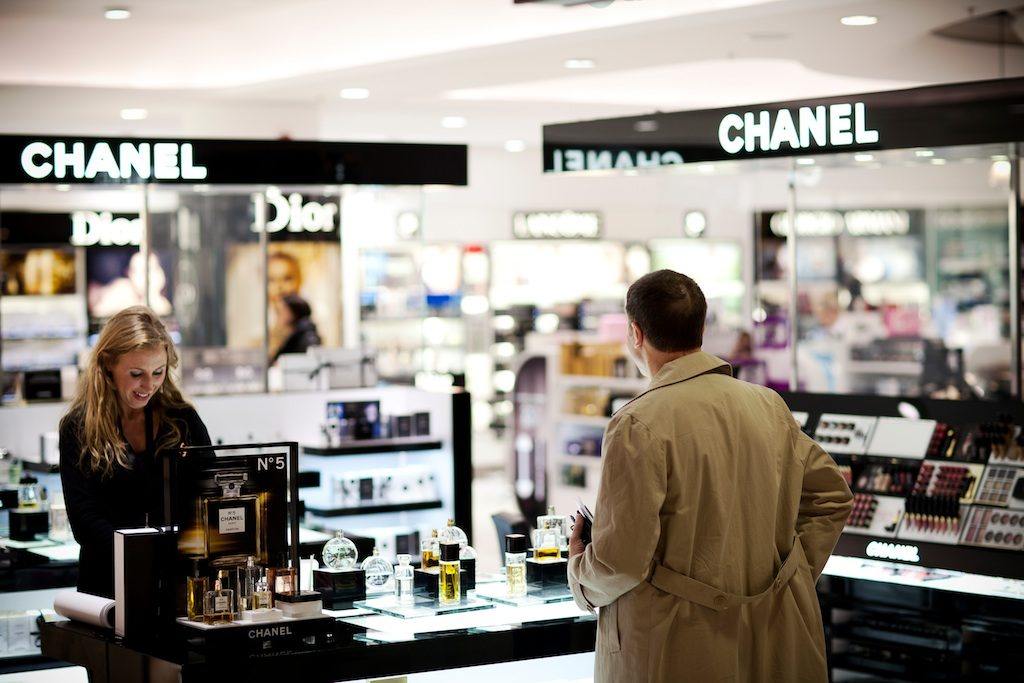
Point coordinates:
[(669, 308)]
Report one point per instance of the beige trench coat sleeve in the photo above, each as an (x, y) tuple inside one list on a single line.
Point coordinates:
[(825, 503), (627, 522)]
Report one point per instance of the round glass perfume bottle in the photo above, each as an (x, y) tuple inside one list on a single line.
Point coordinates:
[(378, 571), (453, 534), (340, 553)]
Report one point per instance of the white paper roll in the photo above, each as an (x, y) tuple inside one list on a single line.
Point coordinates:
[(83, 607)]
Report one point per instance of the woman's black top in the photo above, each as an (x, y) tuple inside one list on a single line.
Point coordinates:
[(97, 504), (304, 335)]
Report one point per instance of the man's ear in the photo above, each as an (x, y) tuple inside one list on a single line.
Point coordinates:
[(638, 336)]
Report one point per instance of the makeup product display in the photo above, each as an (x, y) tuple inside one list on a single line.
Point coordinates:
[(875, 515), (369, 488), (997, 487), (352, 421), (993, 528), (844, 433), (887, 478)]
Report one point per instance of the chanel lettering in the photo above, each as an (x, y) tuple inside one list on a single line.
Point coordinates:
[(86, 161), (834, 125)]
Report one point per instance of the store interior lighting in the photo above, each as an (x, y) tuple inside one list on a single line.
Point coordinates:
[(859, 20), (117, 13), (354, 93), (134, 114)]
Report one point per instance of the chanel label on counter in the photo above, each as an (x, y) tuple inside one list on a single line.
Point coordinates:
[(232, 521)]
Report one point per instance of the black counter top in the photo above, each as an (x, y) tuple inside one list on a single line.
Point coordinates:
[(354, 654)]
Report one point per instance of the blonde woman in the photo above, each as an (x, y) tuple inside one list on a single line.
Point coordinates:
[(128, 412)]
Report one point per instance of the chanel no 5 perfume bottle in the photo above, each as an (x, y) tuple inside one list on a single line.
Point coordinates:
[(448, 589), (429, 551), (196, 586), (233, 522), (404, 580), (219, 603)]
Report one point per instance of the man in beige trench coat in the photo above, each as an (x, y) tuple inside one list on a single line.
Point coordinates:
[(714, 517)]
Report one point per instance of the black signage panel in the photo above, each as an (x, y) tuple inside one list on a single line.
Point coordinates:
[(935, 116), (94, 160)]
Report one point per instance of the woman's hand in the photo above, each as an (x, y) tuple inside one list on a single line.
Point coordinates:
[(576, 544)]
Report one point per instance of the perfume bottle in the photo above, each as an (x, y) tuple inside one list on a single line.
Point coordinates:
[(340, 552), (557, 523), (453, 534), (448, 589), (233, 522), (404, 580), (515, 564), (218, 604), (28, 493), (247, 578), (545, 545), (283, 580), (262, 598), (378, 571), (196, 587), (429, 551)]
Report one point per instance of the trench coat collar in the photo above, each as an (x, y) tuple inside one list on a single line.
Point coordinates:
[(685, 368)]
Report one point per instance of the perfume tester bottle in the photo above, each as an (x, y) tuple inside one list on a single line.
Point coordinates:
[(429, 551), (248, 576), (262, 598), (556, 523), (196, 586), (515, 564), (404, 580), (448, 589), (378, 572), (218, 604)]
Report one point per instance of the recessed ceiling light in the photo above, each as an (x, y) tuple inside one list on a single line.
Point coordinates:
[(925, 153), (134, 114), (454, 122), (354, 93), (706, 168), (805, 161), (116, 13), (579, 63), (863, 157), (645, 126), (938, 162), (63, 187), (514, 145), (859, 20)]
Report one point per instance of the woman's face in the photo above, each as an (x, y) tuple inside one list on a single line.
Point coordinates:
[(138, 375)]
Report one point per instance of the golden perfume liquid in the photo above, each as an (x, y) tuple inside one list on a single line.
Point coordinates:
[(428, 559), (515, 578), (448, 589), (195, 591), (547, 553), (218, 605)]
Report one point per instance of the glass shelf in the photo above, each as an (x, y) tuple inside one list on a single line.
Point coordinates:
[(498, 593), (421, 606)]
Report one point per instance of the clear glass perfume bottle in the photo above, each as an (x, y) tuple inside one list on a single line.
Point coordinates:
[(448, 589), (262, 598), (545, 545), (248, 576), (283, 580), (453, 534), (233, 522), (515, 564), (429, 551), (196, 587), (340, 552), (557, 523), (378, 571), (218, 604), (404, 580), (28, 493)]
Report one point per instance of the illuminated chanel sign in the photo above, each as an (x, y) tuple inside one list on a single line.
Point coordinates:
[(834, 125), (557, 225), (858, 223), (87, 161), (893, 551), (598, 159)]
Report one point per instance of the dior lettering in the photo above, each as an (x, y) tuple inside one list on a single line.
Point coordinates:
[(270, 632), (297, 216), (834, 125), (89, 228), (125, 161)]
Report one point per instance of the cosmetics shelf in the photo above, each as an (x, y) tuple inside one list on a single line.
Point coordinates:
[(374, 509), (396, 445)]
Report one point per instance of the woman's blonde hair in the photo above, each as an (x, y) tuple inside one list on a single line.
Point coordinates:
[(95, 407)]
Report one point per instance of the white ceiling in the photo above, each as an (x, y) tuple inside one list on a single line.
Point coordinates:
[(263, 68)]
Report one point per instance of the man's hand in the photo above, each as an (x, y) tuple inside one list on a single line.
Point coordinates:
[(576, 544)]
